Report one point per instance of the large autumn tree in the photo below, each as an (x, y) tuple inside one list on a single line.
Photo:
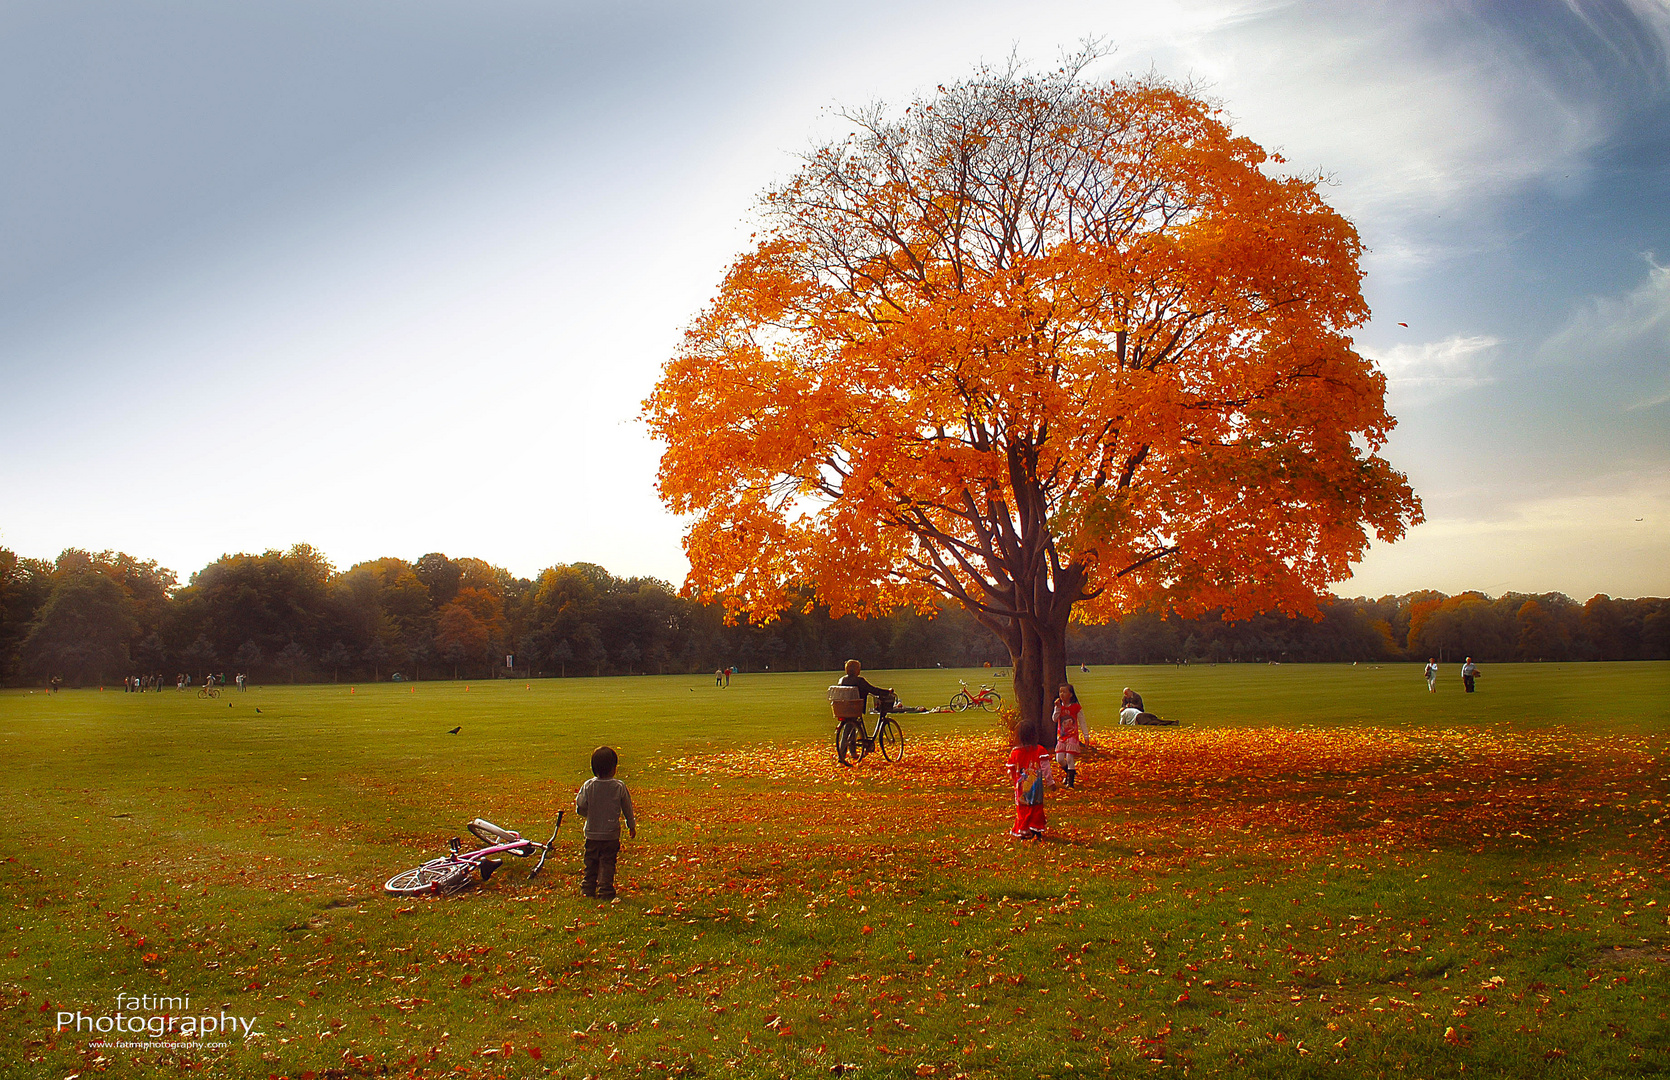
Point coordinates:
[(1046, 348)]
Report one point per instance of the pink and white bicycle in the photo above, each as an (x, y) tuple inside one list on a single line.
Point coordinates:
[(457, 871)]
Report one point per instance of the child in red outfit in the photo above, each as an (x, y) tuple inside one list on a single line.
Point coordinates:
[(1069, 730), (1029, 767)]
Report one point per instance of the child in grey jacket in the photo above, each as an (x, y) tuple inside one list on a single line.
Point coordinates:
[(602, 801)]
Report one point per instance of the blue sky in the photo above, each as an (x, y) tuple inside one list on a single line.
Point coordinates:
[(391, 279)]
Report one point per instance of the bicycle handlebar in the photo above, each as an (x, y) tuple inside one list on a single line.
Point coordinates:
[(545, 848)]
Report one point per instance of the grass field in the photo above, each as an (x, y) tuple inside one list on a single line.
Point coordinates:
[(1325, 871)]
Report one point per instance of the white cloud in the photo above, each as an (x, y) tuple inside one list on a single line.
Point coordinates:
[(1431, 122), (1427, 118), (1628, 337), (1455, 363)]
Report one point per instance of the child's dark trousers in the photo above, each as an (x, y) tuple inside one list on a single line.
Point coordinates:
[(600, 868)]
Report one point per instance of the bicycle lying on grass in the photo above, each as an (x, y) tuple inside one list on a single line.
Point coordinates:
[(456, 871)]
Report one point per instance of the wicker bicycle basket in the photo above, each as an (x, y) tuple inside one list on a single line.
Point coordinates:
[(847, 702)]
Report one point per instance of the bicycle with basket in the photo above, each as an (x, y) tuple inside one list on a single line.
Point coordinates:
[(853, 742)]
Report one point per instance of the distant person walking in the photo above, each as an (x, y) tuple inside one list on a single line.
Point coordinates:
[(1432, 676), (718, 676), (1469, 672)]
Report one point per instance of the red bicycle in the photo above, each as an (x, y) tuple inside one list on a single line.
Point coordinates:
[(987, 699)]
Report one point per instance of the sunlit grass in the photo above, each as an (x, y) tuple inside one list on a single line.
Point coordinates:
[(1324, 871)]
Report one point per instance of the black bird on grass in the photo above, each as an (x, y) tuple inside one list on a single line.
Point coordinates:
[(456, 730), (257, 708)]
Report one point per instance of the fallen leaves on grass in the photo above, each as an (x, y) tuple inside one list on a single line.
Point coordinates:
[(1315, 787)]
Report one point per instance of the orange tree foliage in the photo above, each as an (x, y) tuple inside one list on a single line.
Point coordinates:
[(1043, 348)]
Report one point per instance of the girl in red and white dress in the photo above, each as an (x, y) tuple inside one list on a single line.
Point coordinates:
[(1069, 730), (1029, 771)]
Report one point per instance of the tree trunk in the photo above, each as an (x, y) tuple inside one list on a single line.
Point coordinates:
[(1037, 641), (1053, 635)]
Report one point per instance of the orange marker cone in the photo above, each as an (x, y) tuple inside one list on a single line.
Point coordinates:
[(350, 689)]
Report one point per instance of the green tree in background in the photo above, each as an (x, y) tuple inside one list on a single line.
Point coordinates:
[(377, 656), (292, 658), (273, 612), (200, 655), (25, 585), (336, 658), (1541, 637), (83, 630), (248, 657), (440, 575)]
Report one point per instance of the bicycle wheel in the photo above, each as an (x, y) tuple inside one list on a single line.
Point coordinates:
[(960, 701), (993, 702), (891, 740), (848, 743), (428, 878), (202, 693)]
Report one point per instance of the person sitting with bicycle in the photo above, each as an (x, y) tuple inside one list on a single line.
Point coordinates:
[(853, 679)]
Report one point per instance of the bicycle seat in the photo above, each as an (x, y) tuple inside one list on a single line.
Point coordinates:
[(487, 867), (481, 826)]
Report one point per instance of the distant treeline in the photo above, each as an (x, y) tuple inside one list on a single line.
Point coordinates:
[(291, 616)]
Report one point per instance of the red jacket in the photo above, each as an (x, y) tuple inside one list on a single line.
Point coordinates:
[(1028, 768)]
